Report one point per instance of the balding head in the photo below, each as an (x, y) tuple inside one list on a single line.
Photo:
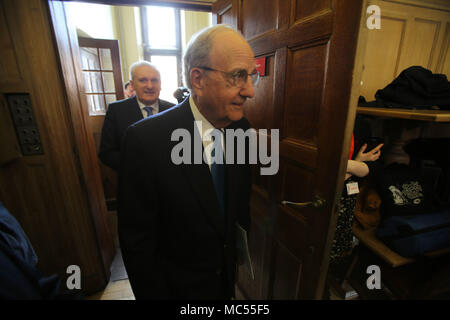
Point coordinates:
[(200, 46), (220, 71)]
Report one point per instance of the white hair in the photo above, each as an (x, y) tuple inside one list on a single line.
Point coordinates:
[(199, 47), (140, 64)]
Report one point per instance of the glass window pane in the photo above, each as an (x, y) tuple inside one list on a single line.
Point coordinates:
[(89, 58), (161, 27), (96, 104), (92, 82), (108, 82), (105, 57), (167, 66), (110, 98)]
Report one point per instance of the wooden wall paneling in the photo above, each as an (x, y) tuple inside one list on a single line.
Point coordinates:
[(47, 192), (8, 138), (21, 182), (443, 63), (304, 9), (8, 63), (227, 12), (421, 42), (266, 15), (384, 48), (409, 35)]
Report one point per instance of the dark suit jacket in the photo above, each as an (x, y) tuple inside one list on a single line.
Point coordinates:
[(176, 243), (119, 116)]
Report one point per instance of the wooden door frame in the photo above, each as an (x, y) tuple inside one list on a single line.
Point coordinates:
[(113, 45), (67, 50), (66, 47)]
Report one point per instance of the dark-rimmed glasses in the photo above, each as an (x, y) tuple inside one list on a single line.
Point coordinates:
[(237, 78)]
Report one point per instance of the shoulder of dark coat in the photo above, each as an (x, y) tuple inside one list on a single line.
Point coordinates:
[(119, 104)]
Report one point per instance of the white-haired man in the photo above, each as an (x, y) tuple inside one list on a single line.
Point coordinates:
[(146, 81), (177, 222)]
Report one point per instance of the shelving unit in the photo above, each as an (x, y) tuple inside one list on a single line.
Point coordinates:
[(423, 115)]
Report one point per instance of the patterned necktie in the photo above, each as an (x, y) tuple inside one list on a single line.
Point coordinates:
[(149, 111), (218, 171)]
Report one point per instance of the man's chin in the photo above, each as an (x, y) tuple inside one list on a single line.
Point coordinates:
[(236, 115), (148, 101)]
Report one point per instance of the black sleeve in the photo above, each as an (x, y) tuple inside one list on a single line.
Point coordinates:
[(109, 152), (138, 212)]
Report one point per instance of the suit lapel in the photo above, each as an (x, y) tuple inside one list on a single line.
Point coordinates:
[(163, 105), (135, 112), (199, 176)]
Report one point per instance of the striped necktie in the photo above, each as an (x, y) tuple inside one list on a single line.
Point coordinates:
[(149, 111)]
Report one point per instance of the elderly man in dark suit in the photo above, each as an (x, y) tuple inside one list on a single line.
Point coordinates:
[(177, 221), (146, 81)]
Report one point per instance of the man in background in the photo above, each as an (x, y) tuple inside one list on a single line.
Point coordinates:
[(146, 81), (128, 92)]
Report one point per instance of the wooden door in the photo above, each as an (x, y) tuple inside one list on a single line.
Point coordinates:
[(56, 194), (102, 75), (310, 53)]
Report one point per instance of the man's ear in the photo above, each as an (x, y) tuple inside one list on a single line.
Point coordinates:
[(197, 79)]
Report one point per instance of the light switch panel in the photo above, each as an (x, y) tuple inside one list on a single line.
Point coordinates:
[(25, 123)]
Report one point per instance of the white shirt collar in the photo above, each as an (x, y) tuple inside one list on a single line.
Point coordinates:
[(155, 107), (205, 126)]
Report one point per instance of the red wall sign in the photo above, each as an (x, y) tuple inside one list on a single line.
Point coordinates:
[(261, 66)]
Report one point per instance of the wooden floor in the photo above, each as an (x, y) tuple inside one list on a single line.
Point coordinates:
[(115, 290), (121, 290)]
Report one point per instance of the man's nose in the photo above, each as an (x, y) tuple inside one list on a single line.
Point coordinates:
[(248, 90)]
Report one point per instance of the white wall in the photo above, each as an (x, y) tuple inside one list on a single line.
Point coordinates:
[(96, 20)]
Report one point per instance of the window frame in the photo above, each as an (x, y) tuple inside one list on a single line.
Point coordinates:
[(149, 52)]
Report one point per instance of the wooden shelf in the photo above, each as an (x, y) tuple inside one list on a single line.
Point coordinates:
[(423, 115)]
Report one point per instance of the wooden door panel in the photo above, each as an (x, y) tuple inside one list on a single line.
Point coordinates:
[(304, 9), (384, 69), (8, 61), (304, 93), (444, 60), (310, 47), (296, 182), (302, 32), (421, 45), (226, 12), (260, 243), (266, 15), (287, 274)]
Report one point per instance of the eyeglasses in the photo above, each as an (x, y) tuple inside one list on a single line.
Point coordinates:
[(237, 78)]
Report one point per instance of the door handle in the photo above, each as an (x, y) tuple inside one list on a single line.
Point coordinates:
[(317, 203)]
